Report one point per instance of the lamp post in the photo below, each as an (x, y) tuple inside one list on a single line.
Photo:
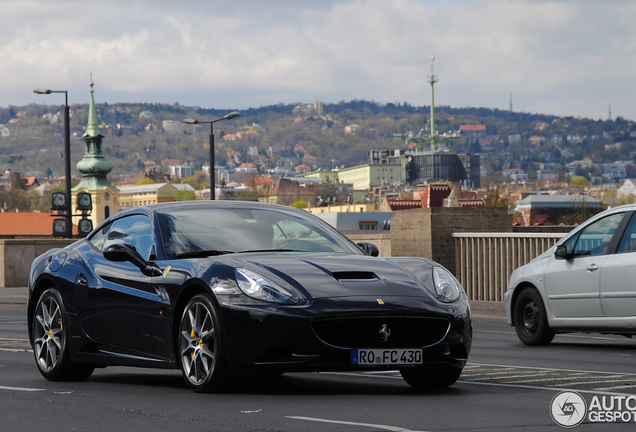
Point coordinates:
[(67, 158), (196, 121)]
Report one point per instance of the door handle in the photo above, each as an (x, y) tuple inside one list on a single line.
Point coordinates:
[(592, 267), (81, 280)]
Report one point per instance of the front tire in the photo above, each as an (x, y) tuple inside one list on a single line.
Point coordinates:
[(50, 342), (200, 347), (431, 379), (530, 319)]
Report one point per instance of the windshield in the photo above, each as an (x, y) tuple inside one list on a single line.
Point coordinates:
[(216, 231)]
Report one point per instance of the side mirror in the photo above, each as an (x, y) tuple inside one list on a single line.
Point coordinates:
[(121, 252), (369, 249), (561, 252)]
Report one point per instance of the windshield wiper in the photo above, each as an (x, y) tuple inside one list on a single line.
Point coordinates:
[(202, 253), (270, 250)]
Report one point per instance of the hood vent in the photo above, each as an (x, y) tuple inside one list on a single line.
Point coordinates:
[(353, 275)]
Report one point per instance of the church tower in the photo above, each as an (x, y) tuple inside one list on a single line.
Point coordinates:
[(94, 168)]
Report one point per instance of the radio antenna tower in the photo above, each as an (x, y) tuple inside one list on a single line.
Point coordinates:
[(510, 102), (432, 78)]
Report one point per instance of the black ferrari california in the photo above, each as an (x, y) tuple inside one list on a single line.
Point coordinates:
[(226, 289)]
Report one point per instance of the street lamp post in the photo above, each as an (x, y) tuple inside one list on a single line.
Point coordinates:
[(67, 158), (196, 121)]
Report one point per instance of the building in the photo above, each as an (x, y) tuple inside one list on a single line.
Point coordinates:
[(94, 169), (181, 171), (178, 126), (353, 222), (556, 209), (614, 172), (473, 130), (364, 177), (136, 196), (516, 175), (627, 189), (326, 175), (314, 109)]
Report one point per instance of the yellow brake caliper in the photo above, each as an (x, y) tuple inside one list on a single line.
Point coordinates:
[(192, 335)]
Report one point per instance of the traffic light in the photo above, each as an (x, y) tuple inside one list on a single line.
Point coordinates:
[(59, 228), (84, 201), (58, 201), (84, 227)]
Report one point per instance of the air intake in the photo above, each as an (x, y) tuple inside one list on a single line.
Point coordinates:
[(353, 275)]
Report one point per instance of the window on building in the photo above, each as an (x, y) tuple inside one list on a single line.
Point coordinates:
[(368, 225)]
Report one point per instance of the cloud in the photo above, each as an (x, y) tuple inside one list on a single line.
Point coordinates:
[(555, 57)]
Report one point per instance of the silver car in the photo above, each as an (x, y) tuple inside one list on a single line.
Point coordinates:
[(584, 283)]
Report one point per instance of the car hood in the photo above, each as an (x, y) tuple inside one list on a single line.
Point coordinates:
[(327, 276)]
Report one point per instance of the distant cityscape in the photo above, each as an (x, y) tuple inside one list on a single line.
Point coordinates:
[(330, 157)]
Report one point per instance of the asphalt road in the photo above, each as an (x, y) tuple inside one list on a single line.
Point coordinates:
[(505, 387)]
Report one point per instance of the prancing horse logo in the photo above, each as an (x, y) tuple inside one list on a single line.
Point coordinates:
[(385, 332)]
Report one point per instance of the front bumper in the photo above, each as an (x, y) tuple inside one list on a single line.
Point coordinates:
[(262, 337)]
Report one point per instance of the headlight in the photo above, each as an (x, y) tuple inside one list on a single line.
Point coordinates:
[(447, 288), (257, 287)]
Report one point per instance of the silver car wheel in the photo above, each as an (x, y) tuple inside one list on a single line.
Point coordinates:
[(197, 343), (48, 334)]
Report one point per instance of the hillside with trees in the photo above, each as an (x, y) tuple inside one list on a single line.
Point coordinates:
[(272, 136)]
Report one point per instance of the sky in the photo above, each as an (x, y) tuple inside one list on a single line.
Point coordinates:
[(562, 57)]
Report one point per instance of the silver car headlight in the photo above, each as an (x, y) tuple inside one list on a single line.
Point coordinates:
[(447, 288), (260, 288)]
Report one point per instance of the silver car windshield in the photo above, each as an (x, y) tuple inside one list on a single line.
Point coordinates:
[(196, 232)]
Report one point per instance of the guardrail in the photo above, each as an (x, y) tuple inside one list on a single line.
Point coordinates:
[(485, 261)]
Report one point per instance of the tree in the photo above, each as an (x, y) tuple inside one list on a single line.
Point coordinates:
[(252, 193), (15, 199), (192, 181), (578, 182), (299, 203), (144, 181), (494, 200), (185, 195)]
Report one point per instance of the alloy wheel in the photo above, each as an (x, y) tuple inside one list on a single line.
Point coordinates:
[(197, 344), (48, 334)]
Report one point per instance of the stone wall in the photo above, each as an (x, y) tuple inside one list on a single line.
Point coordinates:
[(16, 257), (427, 232)]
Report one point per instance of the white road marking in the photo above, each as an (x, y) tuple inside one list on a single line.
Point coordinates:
[(385, 427), (601, 381), (556, 389), (567, 378), (20, 389), (540, 368), (616, 387), (16, 349)]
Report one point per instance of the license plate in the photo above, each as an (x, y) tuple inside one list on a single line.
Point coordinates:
[(375, 357)]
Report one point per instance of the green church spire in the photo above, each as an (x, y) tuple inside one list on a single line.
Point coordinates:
[(93, 166), (92, 129)]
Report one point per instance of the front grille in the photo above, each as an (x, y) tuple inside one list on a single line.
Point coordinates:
[(365, 332)]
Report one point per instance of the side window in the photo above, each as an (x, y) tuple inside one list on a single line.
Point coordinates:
[(134, 230), (628, 242), (97, 240), (595, 239)]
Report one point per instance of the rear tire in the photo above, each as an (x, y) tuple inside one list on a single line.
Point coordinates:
[(530, 319), (431, 378), (50, 341), (200, 347)]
